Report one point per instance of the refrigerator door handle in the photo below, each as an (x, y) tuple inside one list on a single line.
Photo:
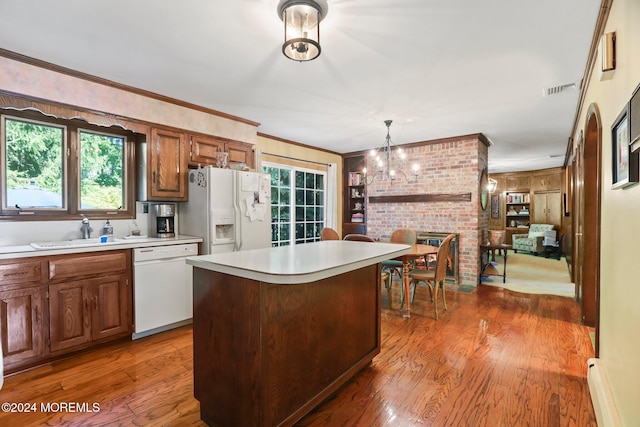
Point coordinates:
[(237, 211)]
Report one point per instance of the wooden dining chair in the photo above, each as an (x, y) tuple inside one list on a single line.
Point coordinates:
[(329, 233), (402, 235), (358, 237), (433, 278)]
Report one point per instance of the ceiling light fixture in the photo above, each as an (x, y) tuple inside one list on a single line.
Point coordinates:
[(301, 29), (390, 161)]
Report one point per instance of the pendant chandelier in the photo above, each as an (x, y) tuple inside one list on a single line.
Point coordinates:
[(390, 162), (301, 20)]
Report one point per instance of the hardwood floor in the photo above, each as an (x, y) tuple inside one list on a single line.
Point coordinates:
[(495, 358)]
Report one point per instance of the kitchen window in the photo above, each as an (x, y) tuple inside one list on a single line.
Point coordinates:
[(61, 169), (298, 202)]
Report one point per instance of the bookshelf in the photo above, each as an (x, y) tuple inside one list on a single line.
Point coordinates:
[(355, 201), (518, 213)]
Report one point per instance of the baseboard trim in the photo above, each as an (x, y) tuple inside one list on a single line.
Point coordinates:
[(601, 396)]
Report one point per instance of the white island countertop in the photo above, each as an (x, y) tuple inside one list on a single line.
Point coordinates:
[(299, 263)]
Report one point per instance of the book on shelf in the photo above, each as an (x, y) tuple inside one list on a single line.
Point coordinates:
[(357, 217), (355, 178)]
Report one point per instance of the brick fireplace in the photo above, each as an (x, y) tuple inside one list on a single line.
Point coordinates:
[(444, 200)]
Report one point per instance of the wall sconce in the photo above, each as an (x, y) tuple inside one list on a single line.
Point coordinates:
[(492, 185), (608, 51), (301, 20)]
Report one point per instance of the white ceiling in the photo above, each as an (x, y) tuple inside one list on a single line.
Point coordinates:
[(436, 68)]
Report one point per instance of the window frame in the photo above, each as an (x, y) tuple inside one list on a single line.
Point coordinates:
[(71, 171)]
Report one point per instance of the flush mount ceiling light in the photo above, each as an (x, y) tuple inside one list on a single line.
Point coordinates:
[(301, 20)]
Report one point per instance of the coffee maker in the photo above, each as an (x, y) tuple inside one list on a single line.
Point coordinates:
[(162, 220)]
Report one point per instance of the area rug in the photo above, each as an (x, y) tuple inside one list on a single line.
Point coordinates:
[(533, 275)]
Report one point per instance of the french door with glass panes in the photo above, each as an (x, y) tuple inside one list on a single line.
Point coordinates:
[(298, 204)]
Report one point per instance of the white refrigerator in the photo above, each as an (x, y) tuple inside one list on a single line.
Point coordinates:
[(229, 209)]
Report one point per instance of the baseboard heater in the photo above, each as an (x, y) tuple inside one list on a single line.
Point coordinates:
[(601, 395)]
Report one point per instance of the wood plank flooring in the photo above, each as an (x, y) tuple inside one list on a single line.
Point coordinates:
[(495, 358)]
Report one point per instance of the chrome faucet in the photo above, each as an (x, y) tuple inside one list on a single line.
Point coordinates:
[(86, 228)]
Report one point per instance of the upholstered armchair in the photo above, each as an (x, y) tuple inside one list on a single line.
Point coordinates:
[(532, 241)]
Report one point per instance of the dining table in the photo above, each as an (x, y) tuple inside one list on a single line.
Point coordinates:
[(418, 250)]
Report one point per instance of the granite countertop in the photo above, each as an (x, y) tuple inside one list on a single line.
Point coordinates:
[(25, 251), (300, 263)]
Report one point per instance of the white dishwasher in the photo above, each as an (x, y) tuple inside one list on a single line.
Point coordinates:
[(162, 288)]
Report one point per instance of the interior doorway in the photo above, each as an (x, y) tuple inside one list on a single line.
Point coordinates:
[(587, 222)]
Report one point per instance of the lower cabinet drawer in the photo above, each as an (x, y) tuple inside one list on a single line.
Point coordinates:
[(77, 266), (20, 272)]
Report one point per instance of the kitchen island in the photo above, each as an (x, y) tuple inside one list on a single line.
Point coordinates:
[(276, 331)]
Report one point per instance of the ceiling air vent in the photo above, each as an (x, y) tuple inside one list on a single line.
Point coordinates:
[(558, 89)]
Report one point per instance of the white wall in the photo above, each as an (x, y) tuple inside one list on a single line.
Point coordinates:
[(620, 240)]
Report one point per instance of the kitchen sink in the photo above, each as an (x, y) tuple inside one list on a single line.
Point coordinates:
[(57, 244)]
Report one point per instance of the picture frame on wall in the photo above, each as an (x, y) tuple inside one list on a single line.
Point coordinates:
[(634, 121), (495, 206), (624, 167)]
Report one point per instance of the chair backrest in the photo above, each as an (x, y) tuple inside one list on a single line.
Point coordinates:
[(358, 237), (328, 233), (404, 235), (442, 258)]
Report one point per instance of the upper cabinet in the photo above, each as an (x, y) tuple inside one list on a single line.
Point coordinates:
[(517, 182), (551, 181), (204, 149), (167, 165)]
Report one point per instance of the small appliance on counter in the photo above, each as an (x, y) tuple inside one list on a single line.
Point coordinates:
[(162, 219)]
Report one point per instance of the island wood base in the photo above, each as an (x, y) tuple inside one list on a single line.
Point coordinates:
[(267, 354)]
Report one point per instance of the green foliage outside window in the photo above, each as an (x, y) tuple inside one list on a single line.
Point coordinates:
[(34, 157), (101, 171)]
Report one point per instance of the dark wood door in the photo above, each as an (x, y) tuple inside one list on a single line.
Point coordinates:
[(21, 317), (591, 223), (168, 165), (70, 321)]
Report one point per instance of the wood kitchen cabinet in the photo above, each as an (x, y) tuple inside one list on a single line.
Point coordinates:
[(167, 165), (22, 312), (92, 301), (87, 311), (21, 318), (204, 149), (50, 306)]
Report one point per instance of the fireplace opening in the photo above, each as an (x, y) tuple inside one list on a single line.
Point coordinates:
[(435, 239)]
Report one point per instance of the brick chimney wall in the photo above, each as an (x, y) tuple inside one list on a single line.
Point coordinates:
[(449, 167)]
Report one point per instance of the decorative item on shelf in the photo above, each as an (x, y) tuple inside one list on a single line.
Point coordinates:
[(512, 211), (301, 20), (221, 159), (390, 161)]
